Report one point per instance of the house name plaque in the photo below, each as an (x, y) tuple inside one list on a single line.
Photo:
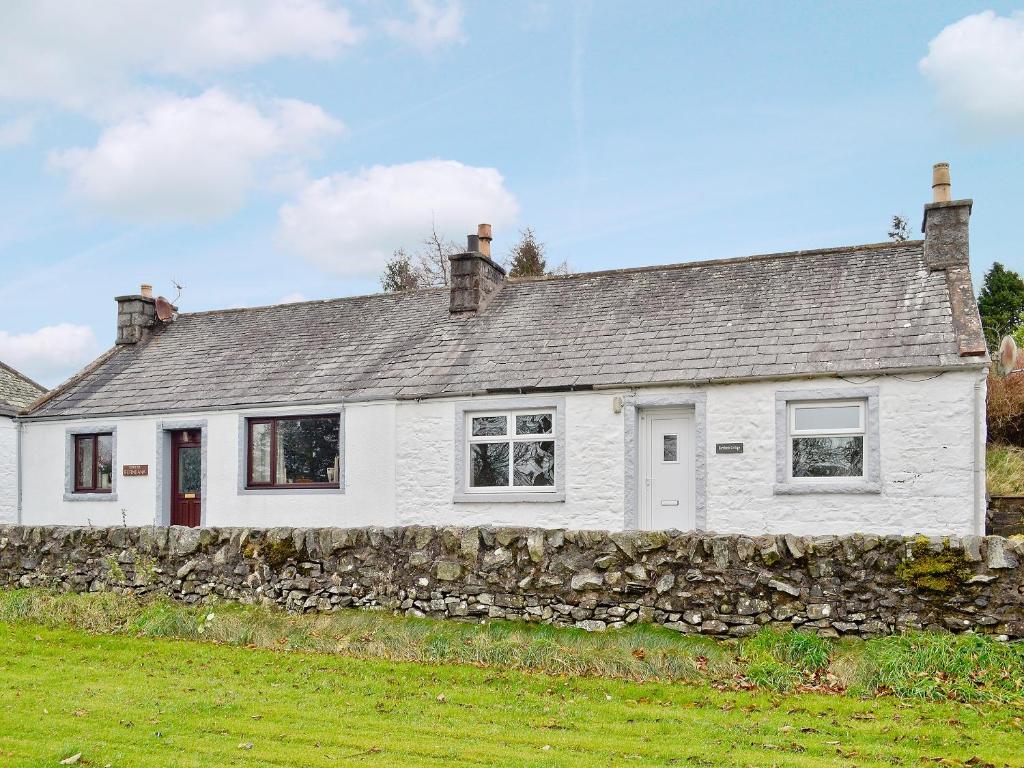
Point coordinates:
[(135, 470), (728, 447)]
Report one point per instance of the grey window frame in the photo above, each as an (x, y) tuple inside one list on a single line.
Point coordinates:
[(70, 434), (243, 487), (465, 411), (869, 482)]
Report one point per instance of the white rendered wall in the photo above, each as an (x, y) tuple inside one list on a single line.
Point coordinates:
[(369, 468), (399, 467), (926, 435), (8, 470)]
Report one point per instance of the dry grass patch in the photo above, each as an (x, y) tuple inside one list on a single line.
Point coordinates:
[(1004, 470)]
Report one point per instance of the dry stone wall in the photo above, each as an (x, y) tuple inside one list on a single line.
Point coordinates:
[(692, 582)]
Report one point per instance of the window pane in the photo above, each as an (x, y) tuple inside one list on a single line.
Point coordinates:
[(670, 448), (824, 418), (533, 424), (488, 465), (259, 458), (828, 456), (84, 457), (307, 451), (190, 469), (534, 463), (104, 461), (490, 425)]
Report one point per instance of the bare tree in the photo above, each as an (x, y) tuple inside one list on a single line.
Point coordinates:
[(434, 265)]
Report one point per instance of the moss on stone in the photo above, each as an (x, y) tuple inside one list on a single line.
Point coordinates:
[(942, 572), (274, 553)]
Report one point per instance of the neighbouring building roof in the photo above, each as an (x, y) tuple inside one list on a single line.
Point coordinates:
[(16, 391), (835, 311)]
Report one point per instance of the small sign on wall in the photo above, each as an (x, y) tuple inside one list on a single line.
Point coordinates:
[(728, 447), (135, 470)]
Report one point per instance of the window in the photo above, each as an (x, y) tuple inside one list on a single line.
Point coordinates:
[(294, 452), (94, 463), (670, 449), (511, 450), (826, 439)]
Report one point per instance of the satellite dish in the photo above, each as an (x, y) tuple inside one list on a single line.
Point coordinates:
[(164, 310), (1007, 355)]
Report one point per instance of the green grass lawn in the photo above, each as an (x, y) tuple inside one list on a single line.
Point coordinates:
[(136, 701)]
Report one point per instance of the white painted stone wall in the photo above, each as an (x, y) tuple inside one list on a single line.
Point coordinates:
[(369, 468), (8, 471), (399, 467)]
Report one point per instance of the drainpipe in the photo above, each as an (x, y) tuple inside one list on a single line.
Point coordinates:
[(980, 439), (17, 476)]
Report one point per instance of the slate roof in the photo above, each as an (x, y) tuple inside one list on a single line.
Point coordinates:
[(16, 391), (846, 310)]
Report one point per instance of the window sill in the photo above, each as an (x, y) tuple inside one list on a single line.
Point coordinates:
[(87, 496), (294, 491), (784, 489), (518, 498)]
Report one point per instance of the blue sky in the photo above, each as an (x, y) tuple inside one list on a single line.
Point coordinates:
[(259, 151)]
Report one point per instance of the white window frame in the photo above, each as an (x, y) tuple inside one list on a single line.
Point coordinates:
[(786, 402), (858, 431), (511, 438), (477, 406)]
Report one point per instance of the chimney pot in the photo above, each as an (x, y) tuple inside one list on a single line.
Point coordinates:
[(146, 290), (483, 232), (942, 189), (472, 244)]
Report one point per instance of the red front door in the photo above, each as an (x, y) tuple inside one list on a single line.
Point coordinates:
[(187, 477)]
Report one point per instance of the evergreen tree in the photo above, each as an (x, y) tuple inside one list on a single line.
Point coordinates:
[(399, 273), (1001, 304), (527, 257), (898, 229)]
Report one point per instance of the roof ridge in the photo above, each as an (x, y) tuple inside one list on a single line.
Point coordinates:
[(726, 260), (334, 300), (577, 275)]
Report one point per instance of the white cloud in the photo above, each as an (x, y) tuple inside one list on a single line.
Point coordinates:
[(16, 131), (977, 67), (292, 298), (82, 55), (351, 223), (192, 159), (434, 24), (50, 354)]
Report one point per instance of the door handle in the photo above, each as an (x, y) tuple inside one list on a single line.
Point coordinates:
[(670, 502)]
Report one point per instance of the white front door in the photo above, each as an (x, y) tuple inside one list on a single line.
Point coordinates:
[(667, 470)]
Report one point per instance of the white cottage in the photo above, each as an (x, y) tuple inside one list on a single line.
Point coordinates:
[(812, 392), (17, 392)]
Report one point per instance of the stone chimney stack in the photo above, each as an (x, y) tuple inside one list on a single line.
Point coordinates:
[(945, 227), (475, 278), (136, 316)]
